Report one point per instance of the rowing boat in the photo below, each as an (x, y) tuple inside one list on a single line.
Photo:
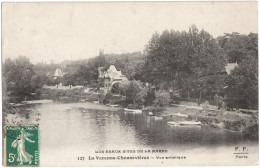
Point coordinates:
[(190, 123), (133, 110), (184, 123), (112, 105)]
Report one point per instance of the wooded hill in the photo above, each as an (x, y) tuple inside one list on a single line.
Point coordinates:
[(191, 62)]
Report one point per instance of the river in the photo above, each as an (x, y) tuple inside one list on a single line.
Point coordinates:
[(68, 131)]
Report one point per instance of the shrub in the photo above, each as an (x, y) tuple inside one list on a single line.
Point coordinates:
[(162, 98), (150, 97), (101, 98), (134, 91), (108, 98), (115, 88), (93, 97)]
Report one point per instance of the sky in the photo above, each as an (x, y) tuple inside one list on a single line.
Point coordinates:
[(47, 32)]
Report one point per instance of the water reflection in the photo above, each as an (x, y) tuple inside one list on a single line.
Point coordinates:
[(154, 131), (78, 127)]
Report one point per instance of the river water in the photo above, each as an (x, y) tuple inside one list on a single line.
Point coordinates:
[(69, 131)]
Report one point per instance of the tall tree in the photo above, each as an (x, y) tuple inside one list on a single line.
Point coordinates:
[(20, 78), (184, 61), (242, 83)]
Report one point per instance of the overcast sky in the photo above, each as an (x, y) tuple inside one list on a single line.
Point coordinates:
[(62, 31)]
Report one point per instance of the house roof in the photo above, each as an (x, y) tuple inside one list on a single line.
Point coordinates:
[(230, 66), (58, 73), (111, 73)]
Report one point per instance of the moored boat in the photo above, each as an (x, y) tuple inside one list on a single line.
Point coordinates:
[(151, 114), (184, 123), (180, 114), (112, 105), (173, 123), (133, 110), (190, 123)]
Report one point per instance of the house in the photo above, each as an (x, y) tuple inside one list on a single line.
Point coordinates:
[(230, 66), (58, 73), (110, 76)]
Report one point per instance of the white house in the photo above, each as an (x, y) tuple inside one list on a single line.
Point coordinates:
[(111, 76), (230, 66), (58, 73)]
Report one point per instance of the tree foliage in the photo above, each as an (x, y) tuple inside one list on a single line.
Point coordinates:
[(191, 62), (20, 77), (115, 88), (242, 83), (134, 91), (162, 98), (184, 61)]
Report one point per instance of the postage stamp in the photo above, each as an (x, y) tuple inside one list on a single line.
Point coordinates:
[(21, 146)]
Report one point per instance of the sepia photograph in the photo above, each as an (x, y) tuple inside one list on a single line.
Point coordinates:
[(130, 84)]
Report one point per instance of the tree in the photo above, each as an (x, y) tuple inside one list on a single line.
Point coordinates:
[(20, 78), (242, 83), (134, 91), (162, 98), (186, 61), (150, 96), (36, 82), (115, 88)]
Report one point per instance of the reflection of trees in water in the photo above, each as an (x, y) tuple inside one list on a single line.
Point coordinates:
[(148, 128), (100, 126), (212, 136), (147, 131), (155, 131), (91, 125)]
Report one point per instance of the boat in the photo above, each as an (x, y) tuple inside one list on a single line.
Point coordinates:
[(37, 101), (133, 110), (184, 123), (190, 123), (112, 105), (151, 114), (173, 123), (180, 114), (96, 102), (82, 100)]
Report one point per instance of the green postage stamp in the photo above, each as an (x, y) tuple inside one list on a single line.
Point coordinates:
[(21, 146)]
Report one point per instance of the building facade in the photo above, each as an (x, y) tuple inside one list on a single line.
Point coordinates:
[(110, 76)]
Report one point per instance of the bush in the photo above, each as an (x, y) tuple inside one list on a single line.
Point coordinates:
[(93, 97), (115, 88), (101, 98), (162, 98), (108, 98), (150, 97), (134, 91)]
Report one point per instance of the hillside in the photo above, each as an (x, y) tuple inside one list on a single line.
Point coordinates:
[(125, 62)]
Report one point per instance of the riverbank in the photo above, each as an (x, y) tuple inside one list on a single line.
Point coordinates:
[(77, 125), (185, 111), (220, 119)]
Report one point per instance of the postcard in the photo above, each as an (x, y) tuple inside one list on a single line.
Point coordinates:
[(130, 84)]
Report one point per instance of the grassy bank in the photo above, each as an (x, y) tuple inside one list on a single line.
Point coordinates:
[(229, 120)]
